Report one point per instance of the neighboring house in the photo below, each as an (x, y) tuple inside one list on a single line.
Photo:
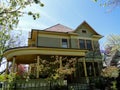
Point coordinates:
[(60, 40)]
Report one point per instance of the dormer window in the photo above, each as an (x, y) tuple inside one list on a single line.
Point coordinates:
[(84, 31)]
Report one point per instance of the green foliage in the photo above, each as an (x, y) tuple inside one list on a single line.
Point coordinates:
[(114, 85), (8, 78), (2, 78), (53, 70), (4, 36), (110, 72), (10, 12)]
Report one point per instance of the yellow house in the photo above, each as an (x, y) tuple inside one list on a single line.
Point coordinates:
[(59, 40)]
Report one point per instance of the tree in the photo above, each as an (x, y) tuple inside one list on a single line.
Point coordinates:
[(113, 41), (10, 12), (112, 3), (3, 38), (8, 40), (55, 67), (14, 41), (112, 50), (110, 72), (58, 67)]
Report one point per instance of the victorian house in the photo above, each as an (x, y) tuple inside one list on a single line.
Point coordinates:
[(59, 40)]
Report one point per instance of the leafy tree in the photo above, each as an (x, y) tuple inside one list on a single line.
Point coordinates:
[(10, 12), (56, 67), (112, 50), (3, 38), (14, 41), (113, 41), (110, 71)]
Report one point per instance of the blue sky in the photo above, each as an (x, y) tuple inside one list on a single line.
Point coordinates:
[(72, 13)]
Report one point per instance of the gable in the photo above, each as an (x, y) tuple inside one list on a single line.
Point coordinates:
[(86, 30)]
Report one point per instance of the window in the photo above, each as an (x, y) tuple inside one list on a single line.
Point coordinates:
[(85, 44), (64, 43), (84, 31), (89, 44), (82, 44)]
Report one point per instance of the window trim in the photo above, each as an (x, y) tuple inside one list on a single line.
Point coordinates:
[(89, 43), (84, 31), (66, 42), (86, 44)]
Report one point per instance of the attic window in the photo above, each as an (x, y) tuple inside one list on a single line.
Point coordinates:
[(84, 31)]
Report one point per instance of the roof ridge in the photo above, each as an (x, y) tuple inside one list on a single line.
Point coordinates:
[(59, 28), (51, 26)]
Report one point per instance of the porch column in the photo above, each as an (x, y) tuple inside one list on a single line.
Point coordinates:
[(13, 65), (60, 61), (29, 70), (38, 61), (17, 67), (85, 70), (6, 71)]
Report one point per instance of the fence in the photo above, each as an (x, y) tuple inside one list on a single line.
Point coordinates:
[(38, 85), (34, 85), (44, 85)]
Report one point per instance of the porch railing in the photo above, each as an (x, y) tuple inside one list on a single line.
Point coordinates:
[(35, 84), (41, 84)]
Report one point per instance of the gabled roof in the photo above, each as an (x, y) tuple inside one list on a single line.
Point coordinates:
[(59, 28), (85, 23)]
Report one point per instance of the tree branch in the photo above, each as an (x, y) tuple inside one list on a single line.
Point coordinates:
[(10, 11)]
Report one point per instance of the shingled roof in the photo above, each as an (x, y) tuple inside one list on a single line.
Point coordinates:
[(59, 28)]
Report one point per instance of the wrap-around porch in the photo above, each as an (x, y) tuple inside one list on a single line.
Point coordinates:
[(33, 56)]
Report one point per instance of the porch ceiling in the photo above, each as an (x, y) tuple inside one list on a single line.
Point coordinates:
[(29, 54)]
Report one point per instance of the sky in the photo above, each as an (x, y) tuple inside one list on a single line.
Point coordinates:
[(72, 13)]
